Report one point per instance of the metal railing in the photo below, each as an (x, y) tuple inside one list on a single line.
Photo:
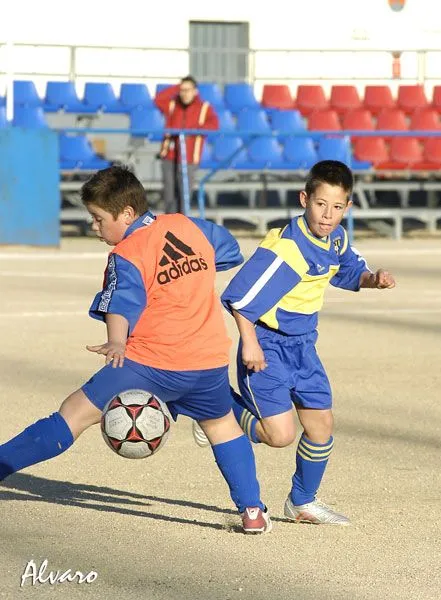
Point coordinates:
[(265, 64)]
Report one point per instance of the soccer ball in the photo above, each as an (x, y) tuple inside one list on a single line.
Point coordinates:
[(135, 424)]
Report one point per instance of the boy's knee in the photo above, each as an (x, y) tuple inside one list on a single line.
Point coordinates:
[(277, 438)]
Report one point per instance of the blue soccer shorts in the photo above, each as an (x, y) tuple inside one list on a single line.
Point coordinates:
[(294, 374), (201, 395)]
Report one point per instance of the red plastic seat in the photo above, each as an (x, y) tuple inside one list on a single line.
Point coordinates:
[(392, 119), (411, 98), (310, 98), (436, 98), (344, 98), (431, 155), (371, 149), (425, 120), (377, 98), (323, 120), (360, 119), (404, 152), (277, 96)]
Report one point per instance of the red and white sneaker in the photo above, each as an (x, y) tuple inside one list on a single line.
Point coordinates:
[(256, 520)]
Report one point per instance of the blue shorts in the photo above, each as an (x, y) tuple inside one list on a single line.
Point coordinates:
[(200, 395), (294, 375)]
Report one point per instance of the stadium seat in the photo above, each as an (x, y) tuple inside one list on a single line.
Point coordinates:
[(300, 152), (211, 92), (62, 95), (323, 120), (287, 122), (76, 152), (431, 155), (310, 98), (411, 98), (334, 148), (403, 153), (207, 160), (371, 149), (29, 117), (135, 96), (392, 119), (2, 101), (25, 94), (359, 119), (378, 98), (266, 153), (252, 121), (344, 98), (436, 98), (161, 86), (225, 147), (3, 120), (239, 96), (143, 121), (425, 120), (277, 96), (101, 97), (226, 123)]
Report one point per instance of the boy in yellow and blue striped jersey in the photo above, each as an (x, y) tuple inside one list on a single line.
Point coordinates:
[(275, 299)]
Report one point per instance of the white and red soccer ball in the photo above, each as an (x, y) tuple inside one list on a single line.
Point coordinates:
[(135, 424)]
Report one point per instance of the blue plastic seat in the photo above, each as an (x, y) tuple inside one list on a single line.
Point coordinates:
[(211, 92), (101, 97), (334, 148), (226, 124), (300, 152), (135, 96), (252, 121), (266, 153), (161, 86), (2, 101), (3, 119), (239, 96), (207, 160), (29, 117), (62, 95), (287, 122), (25, 94), (76, 152), (145, 120), (225, 147)]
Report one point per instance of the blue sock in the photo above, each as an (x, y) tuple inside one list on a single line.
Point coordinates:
[(44, 439), (311, 461), (235, 460), (246, 420)]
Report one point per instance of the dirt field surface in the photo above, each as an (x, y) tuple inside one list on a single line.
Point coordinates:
[(165, 528)]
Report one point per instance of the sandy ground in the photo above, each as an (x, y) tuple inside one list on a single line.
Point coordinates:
[(164, 528)]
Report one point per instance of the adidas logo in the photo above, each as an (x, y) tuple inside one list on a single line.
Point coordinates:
[(176, 254)]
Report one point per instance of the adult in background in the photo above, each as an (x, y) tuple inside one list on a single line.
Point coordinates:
[(183, 109)]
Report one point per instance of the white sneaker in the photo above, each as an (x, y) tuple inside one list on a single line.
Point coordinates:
[(314, 512), (199, 436)]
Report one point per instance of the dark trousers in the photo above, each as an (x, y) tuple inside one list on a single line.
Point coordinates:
[(173, 193)]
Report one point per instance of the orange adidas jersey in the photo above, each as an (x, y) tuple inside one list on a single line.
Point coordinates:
[(161, 277)]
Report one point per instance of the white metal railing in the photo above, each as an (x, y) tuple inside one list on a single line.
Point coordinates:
[(292, 66)]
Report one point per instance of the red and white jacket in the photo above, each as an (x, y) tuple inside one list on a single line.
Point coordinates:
[(197, 115)]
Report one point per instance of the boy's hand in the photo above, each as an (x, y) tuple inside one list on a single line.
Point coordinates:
[(253, 357), (384, 279), (113, 351)]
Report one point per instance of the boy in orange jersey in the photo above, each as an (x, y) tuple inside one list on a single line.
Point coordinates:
[(165, 335)]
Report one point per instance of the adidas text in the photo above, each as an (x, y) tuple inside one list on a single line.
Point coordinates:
[(179, 269)]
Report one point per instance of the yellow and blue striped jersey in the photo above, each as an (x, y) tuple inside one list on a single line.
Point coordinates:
[(283, 283)]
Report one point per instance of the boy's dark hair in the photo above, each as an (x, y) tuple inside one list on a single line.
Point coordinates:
[(190, 79), (113, 189), (332, 172)]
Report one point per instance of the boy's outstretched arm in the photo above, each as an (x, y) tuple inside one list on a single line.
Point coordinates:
[(380, 280), (252, 354), (115, 347)]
